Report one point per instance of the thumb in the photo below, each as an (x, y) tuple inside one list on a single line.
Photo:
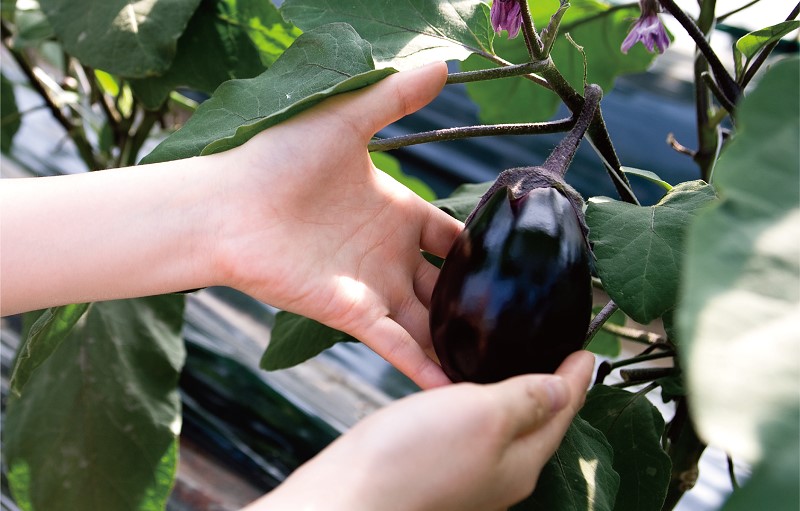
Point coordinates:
[(392, 98)]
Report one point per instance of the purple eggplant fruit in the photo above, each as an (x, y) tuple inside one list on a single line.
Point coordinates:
[(514, 295)]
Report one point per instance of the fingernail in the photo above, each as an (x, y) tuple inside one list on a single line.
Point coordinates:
[(558, 393)]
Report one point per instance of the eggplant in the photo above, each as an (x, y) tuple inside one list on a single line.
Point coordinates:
[(514, 294)]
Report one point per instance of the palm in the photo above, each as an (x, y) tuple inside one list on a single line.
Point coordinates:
[(343, 241)]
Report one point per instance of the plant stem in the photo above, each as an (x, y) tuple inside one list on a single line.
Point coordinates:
[(722, 18), (645, 374), (641, 358), (532, 40), (73, 131), (634, 334), (726, 83), (447, 134), (560, 158), (732, 473), (684, 448), (606, 312), (598, 133), (707, 130), (495, 73), (762, 57)]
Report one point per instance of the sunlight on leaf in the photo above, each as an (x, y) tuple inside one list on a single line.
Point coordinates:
[(404, 34)]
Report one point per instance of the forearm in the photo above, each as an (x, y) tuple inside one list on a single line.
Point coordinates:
[(113, 234)]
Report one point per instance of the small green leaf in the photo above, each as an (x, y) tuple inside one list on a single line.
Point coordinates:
[(391, 166), (597, 26), (463, 200), (605, 343), (579, 476), (9, 114), (96, 425), (321, 63), (639, 250), (43, 338), (740, 299), (295, 339), (633, 427), (404, 34), (130, 39), (650, 176), (750, 44)]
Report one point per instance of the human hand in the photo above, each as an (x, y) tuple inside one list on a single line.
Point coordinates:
[(310, 226), (462, 447)]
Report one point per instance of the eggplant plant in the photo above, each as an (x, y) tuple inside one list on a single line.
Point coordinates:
[(704, 280)]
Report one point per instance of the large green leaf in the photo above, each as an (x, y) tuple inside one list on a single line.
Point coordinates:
[(9, 114), (595, 25), (96, 425), (579, 476), (404, 34), (633, 427), (321, 63), (131, 39), (44, 336), (639, 250), (740, 298), (220, 32), (295, 339)]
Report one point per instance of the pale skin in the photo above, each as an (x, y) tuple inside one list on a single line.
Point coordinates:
[(298, 217)]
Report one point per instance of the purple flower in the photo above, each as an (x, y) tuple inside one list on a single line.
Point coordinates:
[(648, 30), (506, 15)]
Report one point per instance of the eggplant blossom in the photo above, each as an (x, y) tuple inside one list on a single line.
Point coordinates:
[(506, 15), (648, 29)]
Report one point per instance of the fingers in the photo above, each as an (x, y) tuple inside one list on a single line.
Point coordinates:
[(439, 231), (394, 97), (424, 281), (533, 400), (577, 370), (529, 400), (398, 348)]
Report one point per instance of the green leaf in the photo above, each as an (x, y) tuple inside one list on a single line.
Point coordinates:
[(633, 427), (321, 63), (9, 114), (740, 298), (52, 327), (215, 35), (295, 339), (32, 27), (265, 26), (597, 26), (750, 44), (96, 425), (404, 34), (463, 200), (391, 166), (605, 343), (650, 176), (130, 39), (639, 250), (579, 476)]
